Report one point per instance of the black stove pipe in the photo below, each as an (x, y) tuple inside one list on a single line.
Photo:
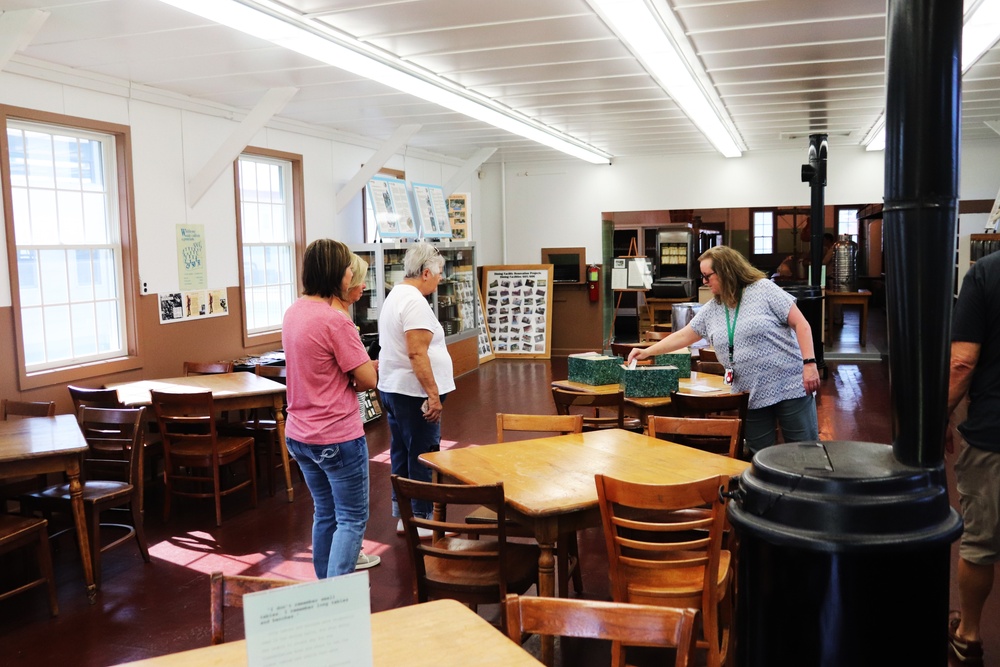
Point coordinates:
[(923, 121), (814, 173)]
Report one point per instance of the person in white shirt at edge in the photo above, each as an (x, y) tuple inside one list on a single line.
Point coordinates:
[(327, 366), (415, 370), (763, 340)]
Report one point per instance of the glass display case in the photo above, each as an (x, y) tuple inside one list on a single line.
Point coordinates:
[(454, 303)]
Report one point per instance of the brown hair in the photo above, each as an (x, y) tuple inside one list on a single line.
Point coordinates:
[(323, 268), (733, 270)]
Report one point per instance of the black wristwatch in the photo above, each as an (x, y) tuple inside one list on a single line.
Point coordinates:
[(810, 360)]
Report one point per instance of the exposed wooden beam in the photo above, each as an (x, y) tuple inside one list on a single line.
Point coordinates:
[(274, 100), (17, 29), (376, 162), (472, 164)]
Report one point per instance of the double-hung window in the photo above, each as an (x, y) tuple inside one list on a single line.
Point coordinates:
[(270, 223), (762, 231), (71, 273), (847, 222)]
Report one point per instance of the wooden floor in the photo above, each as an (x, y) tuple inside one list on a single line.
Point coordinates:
[(150, 609)]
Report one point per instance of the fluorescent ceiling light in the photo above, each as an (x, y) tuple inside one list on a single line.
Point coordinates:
[(279, 25), (979, 33), (659, 42)]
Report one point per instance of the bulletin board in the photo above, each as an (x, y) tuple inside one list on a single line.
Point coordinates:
[(518, 302)]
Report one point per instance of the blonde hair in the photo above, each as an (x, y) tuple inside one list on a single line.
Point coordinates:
[(360, 269), (733, 270)]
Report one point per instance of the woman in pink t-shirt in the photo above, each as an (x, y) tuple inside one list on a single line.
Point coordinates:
[(327, 366)]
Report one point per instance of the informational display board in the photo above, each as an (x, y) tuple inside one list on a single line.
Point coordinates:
[(458, 213), (518, 302), (631, 273), (485, 343), (391, 204), (193, 305), (432, 210)]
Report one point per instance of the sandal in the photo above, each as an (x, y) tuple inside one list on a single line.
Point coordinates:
[(964, 651)]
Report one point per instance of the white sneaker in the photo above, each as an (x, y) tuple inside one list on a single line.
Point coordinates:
[(422, 533), (365, 561)]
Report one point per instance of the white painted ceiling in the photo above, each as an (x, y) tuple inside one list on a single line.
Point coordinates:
[(783, 69)]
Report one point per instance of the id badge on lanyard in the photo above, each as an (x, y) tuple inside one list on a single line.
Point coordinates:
[(728, 377), (731, 330)]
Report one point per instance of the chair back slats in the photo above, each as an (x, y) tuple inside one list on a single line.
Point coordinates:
[(566, 401), (719, 436), (94, 398), (20, 409), (546, 424), (710, 407), (207, 367), (114, 439), (628, 624)]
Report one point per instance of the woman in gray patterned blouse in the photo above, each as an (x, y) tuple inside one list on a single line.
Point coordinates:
[(764, 342)]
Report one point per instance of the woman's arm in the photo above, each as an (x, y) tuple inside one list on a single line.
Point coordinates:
[(803, 334), (418, 341), (675, 341), (365, 376)]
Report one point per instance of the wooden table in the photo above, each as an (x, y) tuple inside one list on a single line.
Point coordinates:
[(858, 298), (650, 406), (230, 391), (441, 632), (549, 482), (40, 445)]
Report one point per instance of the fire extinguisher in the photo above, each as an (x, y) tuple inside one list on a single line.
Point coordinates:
[(594, 283)]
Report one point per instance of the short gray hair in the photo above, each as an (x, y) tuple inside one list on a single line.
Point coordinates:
[(422, 256)]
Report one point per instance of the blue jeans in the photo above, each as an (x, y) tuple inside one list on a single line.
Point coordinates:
[(797, 417), (337, 477), (412, 435)]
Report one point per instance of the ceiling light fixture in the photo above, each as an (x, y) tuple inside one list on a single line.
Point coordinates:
[(658, 41), (980, 32), (279, 25)]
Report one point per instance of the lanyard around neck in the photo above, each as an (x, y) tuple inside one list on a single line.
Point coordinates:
[(731, 326)]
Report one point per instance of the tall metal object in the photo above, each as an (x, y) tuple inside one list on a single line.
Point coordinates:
[(814, 174), (831, 530)]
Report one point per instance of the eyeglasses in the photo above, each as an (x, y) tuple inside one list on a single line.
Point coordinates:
[(706, 276)]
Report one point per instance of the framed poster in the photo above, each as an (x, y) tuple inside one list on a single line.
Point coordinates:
[(433, 210), (518, 302), (458, 214), (391, 203), (485, 343)]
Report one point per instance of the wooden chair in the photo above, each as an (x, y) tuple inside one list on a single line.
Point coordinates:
[(23, 409), (17, 532), (94, 398), (713, 406), (568, 558), (112, 479), (651, 335), (707, 354), (472, 571), (665, 548), (261, 425), (627, 624), (228, 591), (566, 400), (710, 367), (194, 452), (207, 367), (719, 436)]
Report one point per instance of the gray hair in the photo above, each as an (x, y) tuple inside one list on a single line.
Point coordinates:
[(422, 256)]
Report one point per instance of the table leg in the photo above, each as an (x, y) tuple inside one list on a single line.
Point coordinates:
[(546, 533), (76, 500), (864, 322), (279, 421)]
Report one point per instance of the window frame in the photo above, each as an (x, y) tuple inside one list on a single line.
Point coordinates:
[(298, 228), (836, 216), (74, 371), (753, 231)]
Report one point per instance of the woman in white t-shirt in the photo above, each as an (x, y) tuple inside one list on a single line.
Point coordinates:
[(415, 369), (327, 366)]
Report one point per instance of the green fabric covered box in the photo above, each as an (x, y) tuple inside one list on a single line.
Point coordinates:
[(650, 381), (594, 368), (680, 358)]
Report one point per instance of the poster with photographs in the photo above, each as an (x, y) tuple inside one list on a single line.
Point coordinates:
[(518, 303), (458, 213), (433, 210), (193, 305), (485, 344), (391, 203)]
